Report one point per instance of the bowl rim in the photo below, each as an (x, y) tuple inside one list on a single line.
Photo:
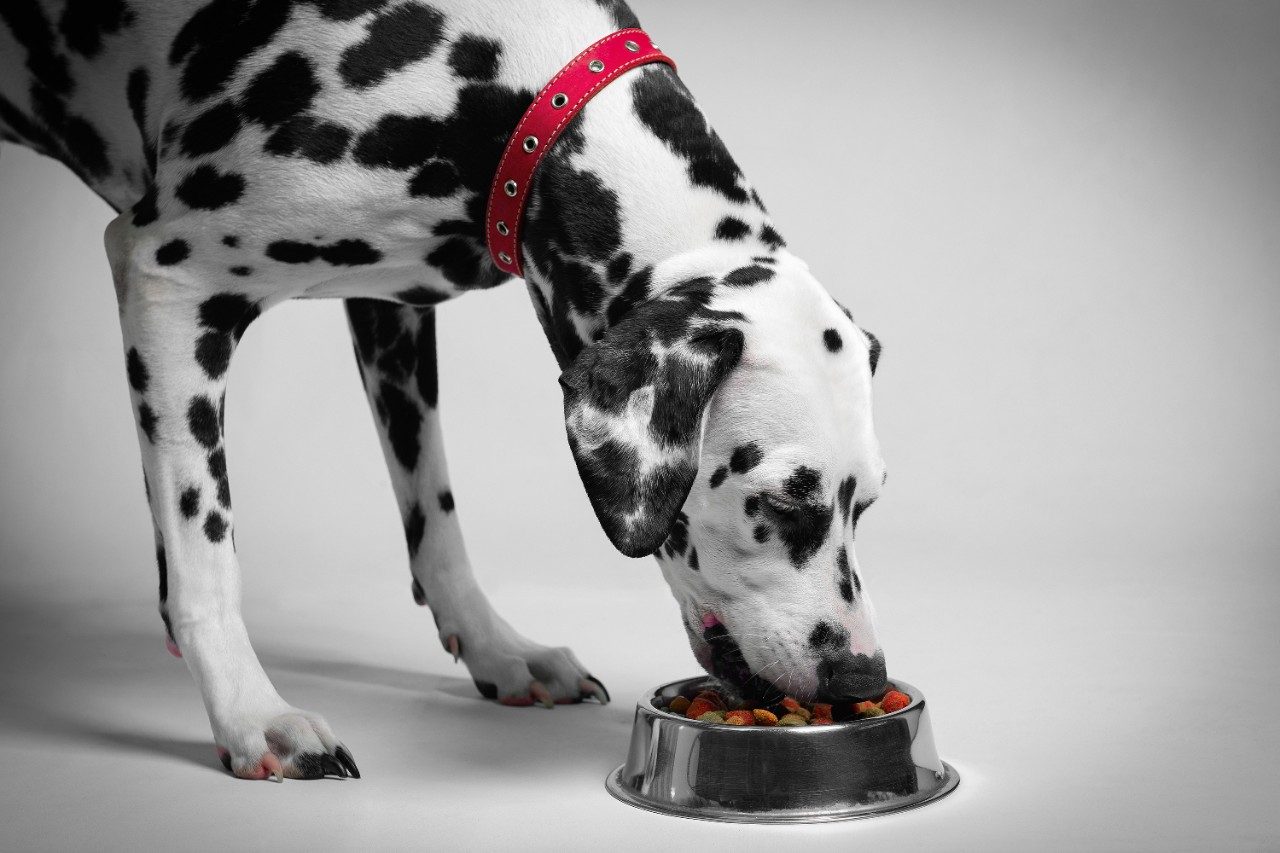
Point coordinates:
[(917, 701)]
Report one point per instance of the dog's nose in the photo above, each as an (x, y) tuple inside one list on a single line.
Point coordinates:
[(846, 677)]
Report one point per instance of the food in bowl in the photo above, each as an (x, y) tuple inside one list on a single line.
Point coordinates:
[(712, 706)]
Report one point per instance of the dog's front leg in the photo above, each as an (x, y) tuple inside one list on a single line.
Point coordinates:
[(396, 351), (179, 334)]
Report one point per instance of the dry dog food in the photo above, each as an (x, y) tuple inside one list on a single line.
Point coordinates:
[(709, 706)]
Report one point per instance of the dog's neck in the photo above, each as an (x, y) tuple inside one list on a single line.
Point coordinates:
[(638, 195)]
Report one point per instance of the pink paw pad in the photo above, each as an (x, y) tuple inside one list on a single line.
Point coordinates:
[(172, 647)]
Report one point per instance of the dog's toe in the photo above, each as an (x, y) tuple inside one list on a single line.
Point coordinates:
[(295, 744)]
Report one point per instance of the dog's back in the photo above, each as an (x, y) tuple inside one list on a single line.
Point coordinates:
[(271, 110)]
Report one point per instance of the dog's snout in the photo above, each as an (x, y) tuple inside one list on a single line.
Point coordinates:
[(844, 676)]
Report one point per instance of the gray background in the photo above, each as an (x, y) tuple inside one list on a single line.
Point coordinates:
[(1062, 221)]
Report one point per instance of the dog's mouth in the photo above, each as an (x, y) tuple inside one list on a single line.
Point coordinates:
[(728, 664)]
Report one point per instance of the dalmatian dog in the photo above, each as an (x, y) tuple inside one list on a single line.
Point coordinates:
[(717, 399)]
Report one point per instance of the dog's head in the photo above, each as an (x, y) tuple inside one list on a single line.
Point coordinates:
[(724, 426)]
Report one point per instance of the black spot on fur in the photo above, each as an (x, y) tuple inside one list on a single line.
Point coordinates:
[(162, 563), (231, 241), (217, 38), (202, 420), (173, 252), (732, 228), (875, 350), (138, 374), (843, 572), (425, 350), (189, 503), (144, 209), (803, 484), (84, 23), (240, 271), (436, 179), (771, 238), (33, 31), (415, 524), (828, 636), (665, 106), (678, 536), (747, 276), (211, 130), (228, 312), (761, 533), (213, 353), (147, 421), (396, 38), (343, 253), (215, 526), (619, 267), (844, 497), (403, 424), (310, 138), (281, 91), (745, 458), (751, 506), (136, 90), (717, 476), (475, 58), (833, 340), (421, 295), (693, 559), (205, 188), (446, 501)]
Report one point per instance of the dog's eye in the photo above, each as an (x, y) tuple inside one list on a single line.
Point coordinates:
[(779, 506)]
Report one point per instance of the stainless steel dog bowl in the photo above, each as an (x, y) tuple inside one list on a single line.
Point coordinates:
[(757, 774)]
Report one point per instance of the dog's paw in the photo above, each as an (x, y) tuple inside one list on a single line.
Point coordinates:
[(521, 673), (294, 744)]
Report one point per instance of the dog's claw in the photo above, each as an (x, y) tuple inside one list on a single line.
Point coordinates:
[(539, 691), (591, 686), (454, 647), (332, 767), (348, 763), (272, 768)]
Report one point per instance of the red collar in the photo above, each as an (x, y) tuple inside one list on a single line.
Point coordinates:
[(558, 102)]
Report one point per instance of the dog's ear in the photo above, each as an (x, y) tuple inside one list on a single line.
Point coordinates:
[(633, 407)]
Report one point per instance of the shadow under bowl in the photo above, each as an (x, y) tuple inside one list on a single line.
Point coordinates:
[(758, 774)]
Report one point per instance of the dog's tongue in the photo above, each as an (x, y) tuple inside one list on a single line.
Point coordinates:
[(710, 621)]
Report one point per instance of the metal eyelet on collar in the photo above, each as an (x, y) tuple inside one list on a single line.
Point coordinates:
[(530, 143), (504, 257), (559, 99), (502, 228), (631, 46), (510, 188), (595, 66)]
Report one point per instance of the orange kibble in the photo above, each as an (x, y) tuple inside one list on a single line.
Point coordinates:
[(894, 700), (740, 718), (822, 709), (698, 707), (765, 717), (679, 705), (791, 704), (863, 707), (820, 721)]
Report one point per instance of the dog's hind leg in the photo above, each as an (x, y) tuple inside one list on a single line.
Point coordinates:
[(180, 326), (396, 351)]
